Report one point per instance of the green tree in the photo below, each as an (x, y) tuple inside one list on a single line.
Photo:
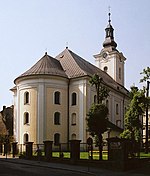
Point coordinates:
[(146, 78), (133, 124), (97, 117)]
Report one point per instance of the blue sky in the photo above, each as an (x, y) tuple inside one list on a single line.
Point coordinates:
[(28, 28)]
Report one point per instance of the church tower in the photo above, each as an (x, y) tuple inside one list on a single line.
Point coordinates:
[(110, 59)]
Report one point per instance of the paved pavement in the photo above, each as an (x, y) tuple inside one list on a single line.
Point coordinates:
[(80, 169)]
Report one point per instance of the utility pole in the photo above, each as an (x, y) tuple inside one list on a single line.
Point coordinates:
[(147, 126)]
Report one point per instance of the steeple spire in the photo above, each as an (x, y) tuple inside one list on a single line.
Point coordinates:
[(109, 39)]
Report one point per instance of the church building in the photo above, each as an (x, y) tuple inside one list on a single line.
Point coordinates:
[(52, 98)]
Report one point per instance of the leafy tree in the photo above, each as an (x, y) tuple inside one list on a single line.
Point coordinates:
[(101, 90), (97, 116), (146, 78), (146, 74), (133, 124)]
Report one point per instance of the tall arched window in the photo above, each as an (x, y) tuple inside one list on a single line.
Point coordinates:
[(26, 138), (57, 118), (26, 98), (57, 97), (26, 118), (74, 99), (56, 139), (73, 119)]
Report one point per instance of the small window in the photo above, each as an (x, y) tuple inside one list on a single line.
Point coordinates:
[(26, 98), (106, 69), (56, 139), (73, 136), (26, 138), (57, 97), (26, 118), (57, 118), (74, 98), (73, 120)]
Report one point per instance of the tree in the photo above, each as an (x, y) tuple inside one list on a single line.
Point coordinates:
[(97, 116), (101, 90), (146, 78), (132, 121), (97, 123)]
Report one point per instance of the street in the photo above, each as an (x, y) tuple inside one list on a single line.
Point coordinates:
[(17, 169)]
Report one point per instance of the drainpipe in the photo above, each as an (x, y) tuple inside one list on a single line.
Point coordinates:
[(68, 114)]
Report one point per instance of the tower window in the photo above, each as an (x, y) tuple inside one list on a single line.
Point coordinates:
[(57, 97), (56, 139), (73, 120), (57, 118), (26, 118), (106, 69), (74, 98), (119, 73), (26, 98)]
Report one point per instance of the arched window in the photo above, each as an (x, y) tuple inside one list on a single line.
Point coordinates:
[(26, 138), (106, 69), (95, 99), (74, 98), (57, 98), (56, 139), (26, 118), (57, 118), (73, 136), (73, 119), (26, 98)]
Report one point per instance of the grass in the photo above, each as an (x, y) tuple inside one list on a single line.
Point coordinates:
[(83, 155)]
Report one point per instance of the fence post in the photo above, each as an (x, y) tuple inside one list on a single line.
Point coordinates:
[(75, 149), (14, 148), (29, 149), (48, 149), (1, 148)]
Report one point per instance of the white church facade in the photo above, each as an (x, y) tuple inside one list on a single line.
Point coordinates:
[(53, 97)]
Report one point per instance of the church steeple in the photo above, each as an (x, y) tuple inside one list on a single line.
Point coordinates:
[(109, 39), (110, 59)]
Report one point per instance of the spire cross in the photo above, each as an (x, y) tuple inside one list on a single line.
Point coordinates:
[(66, 45), (109, 15)]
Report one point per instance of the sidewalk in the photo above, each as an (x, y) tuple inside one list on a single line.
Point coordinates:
[(74, 168)]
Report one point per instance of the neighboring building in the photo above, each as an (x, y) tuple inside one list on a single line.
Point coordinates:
[(6, 121), (52, 98)]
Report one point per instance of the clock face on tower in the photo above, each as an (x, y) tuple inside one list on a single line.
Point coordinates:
[(104, 55)]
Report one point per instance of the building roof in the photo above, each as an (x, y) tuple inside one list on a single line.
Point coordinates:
[(47, 65), (69, 65), (75, 66)]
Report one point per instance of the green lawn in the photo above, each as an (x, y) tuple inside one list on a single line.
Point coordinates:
[(83, 155)]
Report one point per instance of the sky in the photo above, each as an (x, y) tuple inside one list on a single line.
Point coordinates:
[(29, 28)]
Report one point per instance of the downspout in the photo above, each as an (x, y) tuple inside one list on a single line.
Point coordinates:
[(68, 114)]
